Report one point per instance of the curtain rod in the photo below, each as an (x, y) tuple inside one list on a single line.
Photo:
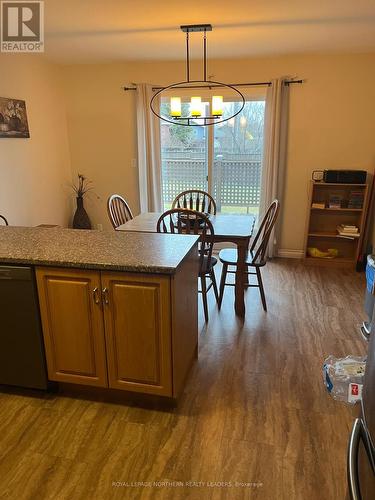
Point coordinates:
[(251, 84)]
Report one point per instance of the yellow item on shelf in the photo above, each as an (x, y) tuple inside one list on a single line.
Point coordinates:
[(331, 253)]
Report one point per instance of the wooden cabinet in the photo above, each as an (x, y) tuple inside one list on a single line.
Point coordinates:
[(130, 331), (73, 326), (138, 332)]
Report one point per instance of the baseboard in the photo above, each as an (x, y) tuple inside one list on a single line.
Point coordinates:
[(290, 254)]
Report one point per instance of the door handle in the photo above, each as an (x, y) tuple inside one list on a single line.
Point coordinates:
[(352, 464), (96, 295), (359, 432), (105, 296)]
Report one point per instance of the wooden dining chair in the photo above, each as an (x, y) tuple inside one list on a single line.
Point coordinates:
[(256, 257), (195, 199), (3, 221), (118, 210), (185, 221)]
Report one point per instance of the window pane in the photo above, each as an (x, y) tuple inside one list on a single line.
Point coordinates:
[(238, 157), (183, 159)]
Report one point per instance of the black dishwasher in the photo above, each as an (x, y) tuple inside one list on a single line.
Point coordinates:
[(22, 360)]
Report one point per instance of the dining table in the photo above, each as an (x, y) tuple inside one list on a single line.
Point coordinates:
[(229, 228)]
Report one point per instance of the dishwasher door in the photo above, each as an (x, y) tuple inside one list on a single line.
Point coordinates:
[(22, 359)]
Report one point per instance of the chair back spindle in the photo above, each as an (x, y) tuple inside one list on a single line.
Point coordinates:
[(118, 210), (195, 199), (259, 246), (186, 221)]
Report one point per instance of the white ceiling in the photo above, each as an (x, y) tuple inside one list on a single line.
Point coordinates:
[(108, 30)]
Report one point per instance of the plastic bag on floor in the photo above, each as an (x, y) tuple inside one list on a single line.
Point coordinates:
[(343, 377)]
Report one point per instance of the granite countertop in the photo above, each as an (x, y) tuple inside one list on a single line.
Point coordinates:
[(106, 250)]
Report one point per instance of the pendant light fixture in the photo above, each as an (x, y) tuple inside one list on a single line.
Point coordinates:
[(197, 116)]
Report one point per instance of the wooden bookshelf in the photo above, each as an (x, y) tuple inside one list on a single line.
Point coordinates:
[(321, 223)]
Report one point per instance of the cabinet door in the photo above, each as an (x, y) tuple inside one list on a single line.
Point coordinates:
[(72, 318), (138, 332)]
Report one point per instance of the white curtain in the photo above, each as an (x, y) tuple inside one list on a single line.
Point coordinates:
[(275, 152), (149, 157)]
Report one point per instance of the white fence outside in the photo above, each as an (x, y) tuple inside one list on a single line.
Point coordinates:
[(236, 181)]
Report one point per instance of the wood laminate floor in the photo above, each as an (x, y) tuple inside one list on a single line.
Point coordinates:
[(255, 420)]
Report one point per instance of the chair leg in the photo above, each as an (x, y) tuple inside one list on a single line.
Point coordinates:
[(214, 284), (261, 288), (204, 297), (222, 283)]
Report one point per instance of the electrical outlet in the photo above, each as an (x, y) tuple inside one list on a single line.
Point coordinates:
[(134, 162), (99, 227)]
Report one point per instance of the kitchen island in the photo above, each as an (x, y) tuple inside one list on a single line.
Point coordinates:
[(118, 310)]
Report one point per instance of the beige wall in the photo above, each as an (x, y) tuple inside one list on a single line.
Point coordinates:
[(331, 122), (35, 172)]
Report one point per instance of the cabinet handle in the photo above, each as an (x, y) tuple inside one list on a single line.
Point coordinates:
[(105, 296), (95, 294)]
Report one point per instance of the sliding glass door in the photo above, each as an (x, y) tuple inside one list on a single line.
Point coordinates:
[(184, 162), (224, 159), (237, 159)]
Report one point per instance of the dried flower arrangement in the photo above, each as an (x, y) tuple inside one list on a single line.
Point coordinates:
[(82, 187), (81, 220)]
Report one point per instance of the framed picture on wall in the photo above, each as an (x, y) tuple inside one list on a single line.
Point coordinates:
[(13, 118)]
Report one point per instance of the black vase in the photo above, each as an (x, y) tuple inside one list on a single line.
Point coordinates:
[(81, 219)]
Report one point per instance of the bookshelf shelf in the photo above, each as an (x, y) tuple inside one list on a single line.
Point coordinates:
[(330, 184), (337, 209), (327, 234), (321, 224)]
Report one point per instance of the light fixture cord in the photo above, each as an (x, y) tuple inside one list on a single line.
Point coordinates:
[(205, 56), (187, 58)]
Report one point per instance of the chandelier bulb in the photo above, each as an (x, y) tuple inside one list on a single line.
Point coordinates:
[(196, 106), (217, 105), (175, 106)]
